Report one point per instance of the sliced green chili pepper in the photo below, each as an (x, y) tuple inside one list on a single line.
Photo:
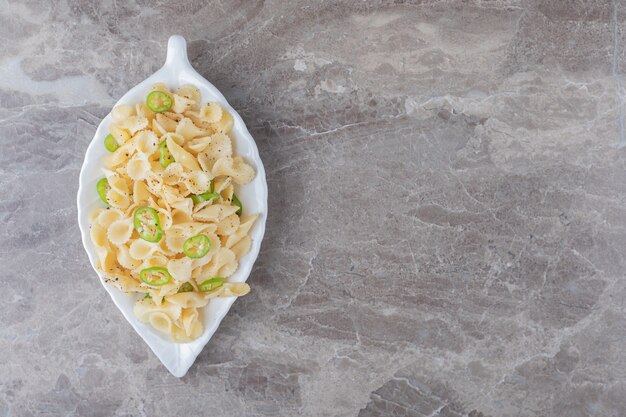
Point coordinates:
[(165, 157), (197, 246), (110, 143), (155, 276), (212, 188), (238, 204), (211, 284), (208, 196), (147, 296), (147, 224), (103, 188), (186, 287), (158, 101)]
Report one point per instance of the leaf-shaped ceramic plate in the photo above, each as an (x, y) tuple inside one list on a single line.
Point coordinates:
[(177, 71)]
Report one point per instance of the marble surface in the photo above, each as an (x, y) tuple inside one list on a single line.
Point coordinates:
[(447, 208)]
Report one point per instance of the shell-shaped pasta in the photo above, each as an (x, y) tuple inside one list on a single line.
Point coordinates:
[(215, 213), (188, 299), (170, 194), (189, 317), (228, 225), (144, 111), (173, 115), (182, 104), (121, 155), (197, 182), (188, 130), (107, 216), (236, 167), (175, 239), (198, 121), (222, 183), (119, 231), (134, 124), (161, 322), (228, 269), (166, 123), (180, 269), (198, 144), (140, 192), (141, 249), (138, 167), (211, 112), (192, 331), (180, 216), (125, 259), (121, 112), (190, 92), (221, 258), (98, 235), (225, 123), (185, 205), (173, 173), (117, 200), (218, 147), (157, 128), (120, 134), (165, 217), (146, 142), (181, 156), (116, 182), (227, 193), (95, 213), (230, 289), (242, 247), (154, 260), (243, 230)]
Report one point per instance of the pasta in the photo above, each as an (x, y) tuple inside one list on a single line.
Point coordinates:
[(173, 230)]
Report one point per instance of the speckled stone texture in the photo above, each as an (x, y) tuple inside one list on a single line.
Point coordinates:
[(447, 221)]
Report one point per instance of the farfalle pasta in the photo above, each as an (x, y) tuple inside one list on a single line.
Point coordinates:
[(173, 229)]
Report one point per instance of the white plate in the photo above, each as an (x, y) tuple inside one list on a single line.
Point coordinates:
[(177, 71)]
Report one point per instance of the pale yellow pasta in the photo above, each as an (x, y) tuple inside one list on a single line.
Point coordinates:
[(190, 92), (134, 124), (167, 124), (138, 167), (120, 134), (211, 112), (142, 110), (141, 249), (182, 104), (146, 142), (122, 112), (195, 238), (188, 130), (225, 124), (187, 160), (236, 168), (119, 231)]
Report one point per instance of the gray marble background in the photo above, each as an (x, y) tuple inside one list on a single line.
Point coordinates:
[(447, 208)]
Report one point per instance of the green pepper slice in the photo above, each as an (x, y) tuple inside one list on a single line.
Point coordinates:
[(186, 287), (147, 224), (208, 196), (110, 143), (158, 101), (197, 246), (165, 157), (238, 204), (103, 188), (211, 284), (155, 276)]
